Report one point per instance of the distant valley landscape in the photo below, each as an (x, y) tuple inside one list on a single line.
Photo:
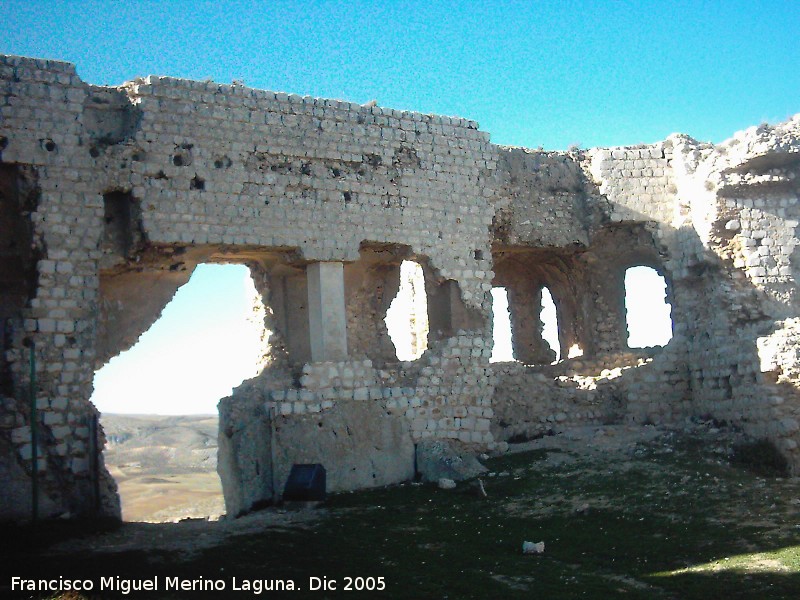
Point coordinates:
[(165, 466)]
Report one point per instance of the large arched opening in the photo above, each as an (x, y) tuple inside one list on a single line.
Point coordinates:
[(158, 398), (538, 293)]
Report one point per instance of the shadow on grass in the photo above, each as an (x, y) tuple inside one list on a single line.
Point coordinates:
[(734, 585)]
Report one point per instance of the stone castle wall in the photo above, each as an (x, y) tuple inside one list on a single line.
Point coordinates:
[(111, 197)]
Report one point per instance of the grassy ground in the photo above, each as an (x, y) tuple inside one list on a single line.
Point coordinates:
[(669, 518)]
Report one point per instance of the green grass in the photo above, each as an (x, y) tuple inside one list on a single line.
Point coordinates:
[(666, 521)]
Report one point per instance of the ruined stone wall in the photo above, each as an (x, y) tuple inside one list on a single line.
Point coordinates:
[(42, 133), (138, 184), (719, 225), (541, 200), (112, 196), (744, 343), (617, 208), (630, 387), (725, 227)]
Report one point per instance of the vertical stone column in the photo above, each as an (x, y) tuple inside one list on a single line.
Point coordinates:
[(327, 318)]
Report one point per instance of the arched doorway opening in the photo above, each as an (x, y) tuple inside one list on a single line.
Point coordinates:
[(158, 399)]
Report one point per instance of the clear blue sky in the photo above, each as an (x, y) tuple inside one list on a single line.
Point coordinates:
[(532, 73)]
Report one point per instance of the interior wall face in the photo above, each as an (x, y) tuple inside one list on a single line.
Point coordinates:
[(615, 249), (288, 297), (746, 339), (371, 283), (137, 184), (17, 260), (524, 272), (218, 167)]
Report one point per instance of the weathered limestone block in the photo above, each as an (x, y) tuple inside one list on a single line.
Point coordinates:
[(15, 493), (438, 459), (244, 458), (359, 445)]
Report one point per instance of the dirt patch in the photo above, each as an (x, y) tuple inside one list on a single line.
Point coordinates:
[(186, 538)]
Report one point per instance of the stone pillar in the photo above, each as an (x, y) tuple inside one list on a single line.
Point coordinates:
[(327, 318)]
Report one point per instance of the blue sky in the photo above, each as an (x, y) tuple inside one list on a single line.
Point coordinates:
[(547, 74), (532, 73)]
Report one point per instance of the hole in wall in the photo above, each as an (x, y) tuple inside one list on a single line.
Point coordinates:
[(222, 162), (407, 316), (549, 318), (647, 312), (197, 183), (209, 338), (502, 350), (121, 227)]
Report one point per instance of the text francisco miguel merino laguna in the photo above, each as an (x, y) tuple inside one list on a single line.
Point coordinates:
[(198, 584)]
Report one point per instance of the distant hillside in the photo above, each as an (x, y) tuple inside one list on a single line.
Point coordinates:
[(155, 442), (165, 466)]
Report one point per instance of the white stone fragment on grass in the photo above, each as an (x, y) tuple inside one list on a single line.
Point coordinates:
[(533, 548)]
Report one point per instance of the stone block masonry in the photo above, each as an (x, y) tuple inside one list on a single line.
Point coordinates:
[(112, 195)]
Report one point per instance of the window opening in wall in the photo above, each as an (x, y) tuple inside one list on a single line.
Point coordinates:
[(158, 399), (549, 319), (407, 317), (647, 312), (502, 349)]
